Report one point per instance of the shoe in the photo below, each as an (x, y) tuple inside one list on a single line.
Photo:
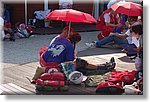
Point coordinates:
[(111, 64), (112, 60), (33, 82), (90, 45), (94, 42), (123, 50)]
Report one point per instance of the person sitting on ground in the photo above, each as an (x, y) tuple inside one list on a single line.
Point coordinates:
[(22, 30), (65, 33), (9, 33), (61, 49), (134, 48), (137, 32), (115, 37), (109, 21)]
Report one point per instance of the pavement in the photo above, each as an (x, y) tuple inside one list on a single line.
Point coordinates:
[(20, 58)]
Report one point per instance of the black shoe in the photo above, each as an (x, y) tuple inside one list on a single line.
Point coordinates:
[(112, 60), (111, 64), (33, 82)]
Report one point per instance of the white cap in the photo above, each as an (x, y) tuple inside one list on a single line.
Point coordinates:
[(76, 77)]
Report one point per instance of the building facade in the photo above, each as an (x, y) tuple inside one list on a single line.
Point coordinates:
[(23, 11)]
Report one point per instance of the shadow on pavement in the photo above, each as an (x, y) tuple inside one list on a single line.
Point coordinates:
[(97, 51), (126, 59)]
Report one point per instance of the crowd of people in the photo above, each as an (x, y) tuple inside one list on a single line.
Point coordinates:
[(60, 56), (126, 31)]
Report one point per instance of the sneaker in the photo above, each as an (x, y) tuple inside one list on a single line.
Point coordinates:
[(90, 45), (111, 64), (94, 42), (112, 60)]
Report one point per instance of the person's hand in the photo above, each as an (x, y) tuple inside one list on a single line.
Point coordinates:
[(127, 24), (112, 34)]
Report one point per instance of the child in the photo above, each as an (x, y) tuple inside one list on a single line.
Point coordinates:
[(135, 48), (137, 32)]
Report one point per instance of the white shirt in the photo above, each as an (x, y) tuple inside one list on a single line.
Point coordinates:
[(129, 38), (138, 42), (107, 18), (135, 41)]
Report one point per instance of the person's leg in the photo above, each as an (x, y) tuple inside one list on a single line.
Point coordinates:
[(109, 39), (96, 69), (129, 48), (108, 65)]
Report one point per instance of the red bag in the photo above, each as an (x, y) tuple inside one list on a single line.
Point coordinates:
[(126, 76), (50, 83), (109, 88), (58, 76)]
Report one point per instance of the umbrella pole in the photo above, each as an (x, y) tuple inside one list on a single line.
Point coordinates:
[(69, 28)]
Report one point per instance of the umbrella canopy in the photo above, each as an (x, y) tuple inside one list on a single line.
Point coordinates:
[(128, 8), (71, 15)]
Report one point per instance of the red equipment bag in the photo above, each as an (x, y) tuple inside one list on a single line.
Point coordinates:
[(57, 76), (50, 83), (109, 88)]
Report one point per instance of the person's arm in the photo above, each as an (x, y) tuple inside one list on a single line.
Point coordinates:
[(123, 36), (113, 25), (70, 54)]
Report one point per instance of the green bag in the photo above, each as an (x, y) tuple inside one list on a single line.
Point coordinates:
[(94, 80)]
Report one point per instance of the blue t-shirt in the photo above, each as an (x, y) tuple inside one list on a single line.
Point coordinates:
[(60, 50)]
